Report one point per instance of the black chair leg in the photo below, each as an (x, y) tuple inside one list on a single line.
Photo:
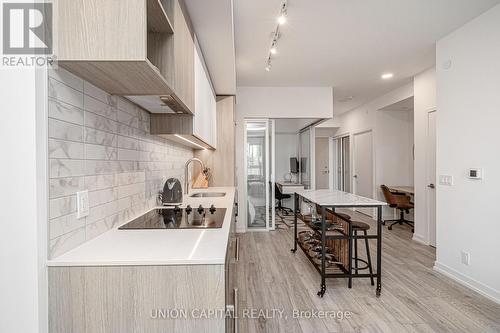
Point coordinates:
[(369, 258), (401, 220), (397, 222)]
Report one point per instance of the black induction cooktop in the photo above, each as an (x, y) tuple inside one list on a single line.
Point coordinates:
[(179, 218)]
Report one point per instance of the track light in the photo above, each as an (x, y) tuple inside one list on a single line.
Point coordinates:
[(276, 34), (282, 17)]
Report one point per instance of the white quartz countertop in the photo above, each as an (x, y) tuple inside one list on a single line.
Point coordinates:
[(338, 198), (161, 246)]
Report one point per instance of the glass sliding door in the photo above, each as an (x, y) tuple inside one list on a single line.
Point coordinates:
[(272, 177), (257, 173)]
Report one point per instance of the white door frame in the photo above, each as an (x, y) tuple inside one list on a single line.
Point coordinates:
[(265, 122), (431, 230), (273, 175), (340, 163)]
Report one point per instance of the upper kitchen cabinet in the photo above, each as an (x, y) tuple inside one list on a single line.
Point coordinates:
[(198, 131), (130, 48), (205, 121), (184, 56)]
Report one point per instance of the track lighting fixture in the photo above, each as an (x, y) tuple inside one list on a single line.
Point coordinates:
[(276, 34)]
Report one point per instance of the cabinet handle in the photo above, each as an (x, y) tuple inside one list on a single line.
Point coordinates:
[(236, 309), (237, 250)]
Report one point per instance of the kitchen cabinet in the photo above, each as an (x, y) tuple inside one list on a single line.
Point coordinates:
[(130, 48), (184, 57), (89, 293), (205, 104), (222, 160), (232, 291), (198, 131)]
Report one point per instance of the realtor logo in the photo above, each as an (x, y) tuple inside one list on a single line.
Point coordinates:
[(27, 28)]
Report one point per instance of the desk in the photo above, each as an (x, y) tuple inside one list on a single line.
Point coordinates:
[(410, 190), (289, 187)]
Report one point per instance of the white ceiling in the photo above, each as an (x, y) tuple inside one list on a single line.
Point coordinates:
[(346, 44), (292, 125), (403, 105), (213, 23)]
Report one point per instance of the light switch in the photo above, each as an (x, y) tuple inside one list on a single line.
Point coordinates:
[(83, 206), (445, 180)]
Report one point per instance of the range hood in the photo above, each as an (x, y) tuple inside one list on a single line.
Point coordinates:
[(177, 127), (160, 104), (169, 119)]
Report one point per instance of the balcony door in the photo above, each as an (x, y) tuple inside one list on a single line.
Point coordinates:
[(257, 164)]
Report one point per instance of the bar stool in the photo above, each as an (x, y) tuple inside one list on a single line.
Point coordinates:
[(358, 226), (344, 216)]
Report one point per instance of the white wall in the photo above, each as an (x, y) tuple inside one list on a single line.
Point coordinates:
[(23, 239), (286, 147), (363, 117), (285, 102), (386, 126), (468, 136), (424, 102)]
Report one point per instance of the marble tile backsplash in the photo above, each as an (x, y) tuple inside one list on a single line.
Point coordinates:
[(101, 143)]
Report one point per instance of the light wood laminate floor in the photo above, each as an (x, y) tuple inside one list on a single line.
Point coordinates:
[(414, 297)]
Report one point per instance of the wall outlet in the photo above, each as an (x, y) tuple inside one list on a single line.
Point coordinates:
[(82, 202), (446, 180), (465, 258)]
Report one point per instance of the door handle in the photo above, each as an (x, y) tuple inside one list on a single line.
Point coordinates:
[(237, 250), (431, 186), (355, 176)]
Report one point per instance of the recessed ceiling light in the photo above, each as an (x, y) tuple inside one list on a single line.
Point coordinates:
[(282, 19), (273, 50), (387, 76)]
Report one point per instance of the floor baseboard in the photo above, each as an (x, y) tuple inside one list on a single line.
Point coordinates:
[(468, 282), (420, 239)]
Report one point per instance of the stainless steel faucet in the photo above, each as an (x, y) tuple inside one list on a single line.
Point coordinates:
[(186, 168)]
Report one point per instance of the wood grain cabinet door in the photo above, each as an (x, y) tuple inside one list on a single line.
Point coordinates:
[(184, 58)]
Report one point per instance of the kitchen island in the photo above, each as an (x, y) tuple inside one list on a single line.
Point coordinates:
[(340, 231), (156, 280)]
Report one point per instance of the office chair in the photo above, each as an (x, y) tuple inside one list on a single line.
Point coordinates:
[(278, 195), (399, 201)]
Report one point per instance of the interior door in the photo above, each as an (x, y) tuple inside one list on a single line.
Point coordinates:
[(322, 164), (431, 176), (363, 167)]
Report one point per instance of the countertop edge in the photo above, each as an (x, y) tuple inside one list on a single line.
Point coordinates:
[(216, 260)]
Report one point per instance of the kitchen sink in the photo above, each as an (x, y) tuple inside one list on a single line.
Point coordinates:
[(208, 195)]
